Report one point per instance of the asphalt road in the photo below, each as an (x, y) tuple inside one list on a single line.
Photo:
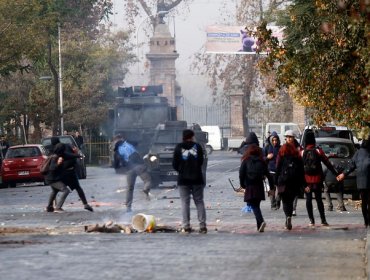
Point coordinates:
[(39, 245)]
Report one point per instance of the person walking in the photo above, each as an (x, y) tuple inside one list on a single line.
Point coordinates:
[(69, 172), (252, 171), (270, 155), (188, 158), (79, 140), (361, 163), (289, 179), (290, 138), (250, 139), (54, 178), (135, 167), (312, 157)]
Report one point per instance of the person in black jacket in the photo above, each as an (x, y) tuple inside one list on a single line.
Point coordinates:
[(54, 179), (188, 160), (289, 178), (69, 175), (252, 160)]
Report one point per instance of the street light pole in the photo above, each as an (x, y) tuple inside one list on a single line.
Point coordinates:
[(60, 84)]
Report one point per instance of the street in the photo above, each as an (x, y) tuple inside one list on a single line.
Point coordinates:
[(38, 245)]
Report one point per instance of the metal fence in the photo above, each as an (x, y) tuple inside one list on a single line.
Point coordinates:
[(97, 151)]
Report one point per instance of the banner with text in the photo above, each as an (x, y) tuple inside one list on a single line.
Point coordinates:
[(234, 39)]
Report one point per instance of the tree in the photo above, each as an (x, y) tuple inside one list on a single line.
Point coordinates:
[(93, 62), (322, 61)]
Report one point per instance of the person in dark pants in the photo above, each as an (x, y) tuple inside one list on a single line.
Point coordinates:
[(253, 186), (289, 178), (70, 177), (187, 160), (270, 155), (54, 178), (314, 179), (361, 163)]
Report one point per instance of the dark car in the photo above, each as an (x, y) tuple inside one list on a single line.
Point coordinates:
[(339, 151), (22, 164), (68, 139)]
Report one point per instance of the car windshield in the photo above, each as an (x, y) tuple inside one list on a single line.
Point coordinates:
[(23, 152), (169, 137), (337, 150)]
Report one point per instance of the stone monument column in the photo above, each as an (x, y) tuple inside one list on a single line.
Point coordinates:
[(162, 56)]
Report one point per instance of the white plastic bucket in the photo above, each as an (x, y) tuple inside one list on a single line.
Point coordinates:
[(142, 222)]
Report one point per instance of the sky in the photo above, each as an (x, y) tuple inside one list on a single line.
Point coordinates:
[(189, 31)]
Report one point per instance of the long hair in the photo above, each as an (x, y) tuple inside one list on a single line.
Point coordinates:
[(252, 150), (288, 150)]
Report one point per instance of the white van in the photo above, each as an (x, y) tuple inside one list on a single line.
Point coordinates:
[(214, 137), (280, 129)]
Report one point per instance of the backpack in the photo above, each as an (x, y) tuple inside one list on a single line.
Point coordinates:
[(255, 169), (311, 162), (45, 166), (288, 172)]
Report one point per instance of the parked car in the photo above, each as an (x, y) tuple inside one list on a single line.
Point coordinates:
[(328, 131), (339, 151), (68, 139), (22, 164)]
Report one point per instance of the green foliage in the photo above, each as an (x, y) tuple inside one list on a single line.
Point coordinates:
[(322, 60)]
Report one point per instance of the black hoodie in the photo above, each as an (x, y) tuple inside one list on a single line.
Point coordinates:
[(188, 160)]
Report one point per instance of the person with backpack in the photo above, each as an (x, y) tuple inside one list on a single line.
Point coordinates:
[(312, 157), (270, 155), (136, 167), (250, 139), (188, 158), (54, 178), (289, 178), (70, 177), (361, 163), (252, 171)]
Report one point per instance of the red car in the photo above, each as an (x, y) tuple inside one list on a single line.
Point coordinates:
[(22, 164)]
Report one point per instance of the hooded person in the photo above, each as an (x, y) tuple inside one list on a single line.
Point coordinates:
[(250, 139), (69, 176), (361, 163), (188, 158), (270, 154), (54, 178), (314, 176)]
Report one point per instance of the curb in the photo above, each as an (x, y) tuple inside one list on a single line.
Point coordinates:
[(367, 255)]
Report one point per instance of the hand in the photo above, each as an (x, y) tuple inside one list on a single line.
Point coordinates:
[(307, 189), (340, 177), (270, 156), (60, 160)]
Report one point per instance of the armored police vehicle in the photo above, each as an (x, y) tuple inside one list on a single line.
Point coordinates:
[(138, 111)]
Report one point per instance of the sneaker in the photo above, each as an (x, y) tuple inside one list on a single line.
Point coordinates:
[(311, 224), (203, 230), (49, 209), (324, 224), (58, 210), (341, 208), (186, 230), (294, 213), (262, 227), (88, 207), (147, 194), (289, 223)]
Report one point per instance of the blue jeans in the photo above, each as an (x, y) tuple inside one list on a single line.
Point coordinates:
[(255, 204), (197, 192)]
